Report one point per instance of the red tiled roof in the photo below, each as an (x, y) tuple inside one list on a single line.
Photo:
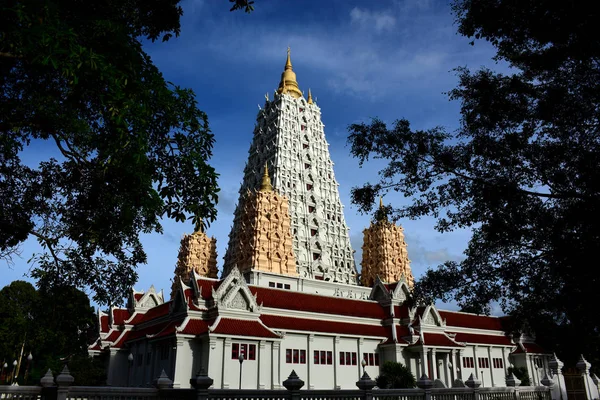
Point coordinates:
[(196, 327), (402, 331), (114, 335), (169, 329), (483, 339), (155, 312), (530, 348), (138, 296), (239, 327), (472, 320), (391, 286), (120, 315), (104, 323), (302, 324), (138, 316), (401, 311), (289, 300), (437, 339), (206, 286), (95, 347)]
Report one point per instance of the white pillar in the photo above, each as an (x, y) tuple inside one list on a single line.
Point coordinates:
[(434, 365), (226, 356), (336, 369), (276, 365), (446, 361), (423, 362), (309, 361), (491, 365), (476, 362)]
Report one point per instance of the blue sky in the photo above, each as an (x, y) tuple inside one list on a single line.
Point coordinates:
[(386, 59)]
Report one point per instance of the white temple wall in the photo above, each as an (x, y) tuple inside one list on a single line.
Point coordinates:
[(184, 362)]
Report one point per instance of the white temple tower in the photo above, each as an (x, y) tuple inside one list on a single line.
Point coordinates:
[(290, 139)]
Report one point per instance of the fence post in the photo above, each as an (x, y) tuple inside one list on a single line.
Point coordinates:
[(64, 380), (556, 366), (366, 384), (425, 383), (548, 383), (583, 366), (293, 384), (48, 386), (474, 384), (513, 382), (163, 381), (201, 383)]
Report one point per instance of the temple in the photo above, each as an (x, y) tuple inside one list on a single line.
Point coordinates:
[(290, 297)]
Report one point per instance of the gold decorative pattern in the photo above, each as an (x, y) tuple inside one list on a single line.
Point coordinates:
[(384, 254), (197, 253), (264, 240)]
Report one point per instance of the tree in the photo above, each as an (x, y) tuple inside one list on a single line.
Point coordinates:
[(394, 375), (521, 171), (54, 324), (133, 147)]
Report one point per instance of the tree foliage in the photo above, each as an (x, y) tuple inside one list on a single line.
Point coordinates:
[(132, 148), (394, 375), (54, 324), (521, 171)]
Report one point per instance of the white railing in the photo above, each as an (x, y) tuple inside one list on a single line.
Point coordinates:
[(20, 392)]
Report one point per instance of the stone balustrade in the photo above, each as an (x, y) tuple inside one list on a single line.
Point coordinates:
[(62, 388)]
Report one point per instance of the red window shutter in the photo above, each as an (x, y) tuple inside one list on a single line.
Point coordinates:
[(342, 358), (371, 359), (252, 352), (329, 358), (235, 348), (288, 356), (323, 357), (316, 357), (353, 358), (302, 356)]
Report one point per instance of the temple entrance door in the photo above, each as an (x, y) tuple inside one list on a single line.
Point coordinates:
[(574, 385)]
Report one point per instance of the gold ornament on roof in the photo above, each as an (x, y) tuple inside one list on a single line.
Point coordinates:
[(265, 185), (310, 100), (288, 83)]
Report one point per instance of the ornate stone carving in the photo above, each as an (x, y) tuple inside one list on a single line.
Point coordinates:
[(289, 136), (197, 253), (385, 255), (429, 319), (239, 302), (263, 241)]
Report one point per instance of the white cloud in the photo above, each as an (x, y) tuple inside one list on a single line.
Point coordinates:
[(380, 21)]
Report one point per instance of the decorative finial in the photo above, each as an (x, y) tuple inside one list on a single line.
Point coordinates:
[(288, 83), (265, 185), (288, 62), (380, 202), (310, 100)]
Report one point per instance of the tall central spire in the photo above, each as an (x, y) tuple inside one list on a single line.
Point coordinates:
[(288, 83), (290, 139)]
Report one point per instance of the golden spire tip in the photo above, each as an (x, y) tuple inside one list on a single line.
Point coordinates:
[(310, 99), (265, 185)]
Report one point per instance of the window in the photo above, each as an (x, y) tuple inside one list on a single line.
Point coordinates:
[(371, 358), (302, 127), (313, 232), (323, 357), (302, 356), (347, 358), (315, 256), (287, 286), (309, 186), (538, 362), (288, 356), (271, 284), (279, 285), (311, 209), (245, 349), (497, 363), (483, 362), (305, 145), (306, 166), (296, 356), (468, 362)]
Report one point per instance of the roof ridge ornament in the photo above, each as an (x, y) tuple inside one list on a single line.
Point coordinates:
[(288, 83)]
